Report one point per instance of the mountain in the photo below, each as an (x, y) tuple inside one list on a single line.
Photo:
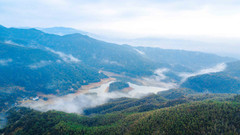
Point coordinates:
[(120, 59), (33, 62), (62, 31), (163, 99), (27, 71), (227, 81), (190, 59), (45, 62), (98, 54)]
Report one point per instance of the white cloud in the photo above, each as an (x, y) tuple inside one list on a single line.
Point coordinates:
[(78, 102), (158, 75), (4, 62), (40, 64), (112, 62), (140, 52), (145, 18), (65, 57), (210, 21), (218, 68), (12, 43), (159, 79)]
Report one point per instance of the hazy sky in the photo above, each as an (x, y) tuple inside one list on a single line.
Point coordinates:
[(205, 20)]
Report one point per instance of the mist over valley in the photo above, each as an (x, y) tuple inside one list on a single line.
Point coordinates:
[(119, 67)]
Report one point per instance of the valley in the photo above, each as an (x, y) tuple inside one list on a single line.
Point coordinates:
[(76, 84)]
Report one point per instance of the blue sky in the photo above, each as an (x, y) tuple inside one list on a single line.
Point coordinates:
[(204, 20)]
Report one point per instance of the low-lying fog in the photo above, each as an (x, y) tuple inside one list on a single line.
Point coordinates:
[(76, 103), (3, 120)]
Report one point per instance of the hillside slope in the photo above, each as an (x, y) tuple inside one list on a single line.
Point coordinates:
[(121, 59), (26, 71), (192, 118), (227, 81)]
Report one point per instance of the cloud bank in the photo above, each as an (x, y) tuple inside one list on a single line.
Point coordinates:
[(40, 64), (73, 103), (87, 98), (218, 68), (4, 62)]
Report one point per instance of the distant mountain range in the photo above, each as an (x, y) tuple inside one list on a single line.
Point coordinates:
[(58, 61), (110, 56), (224, 48), (64, 31), (120, 59), (32, 62)]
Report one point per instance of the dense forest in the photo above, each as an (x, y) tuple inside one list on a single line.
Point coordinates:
[(118, 86), (33, 63), (227, 81), (192, 114)]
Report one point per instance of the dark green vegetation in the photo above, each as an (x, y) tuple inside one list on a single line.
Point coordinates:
[(183, 59), (25, 71), (117, 86), (122, 59), (201, 114), (95, 53), (27, 67), (227, 81), (33, 62), (42, 71), (161, 100)]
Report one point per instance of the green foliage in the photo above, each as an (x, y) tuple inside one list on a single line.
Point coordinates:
[(19, 80), (152, 102), (212, 117), (213, 83), (122, 59), (116, 86), (176, 93), (227, 81), (182, 59)]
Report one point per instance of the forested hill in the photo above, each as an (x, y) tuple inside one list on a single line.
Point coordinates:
[(42, 71), (122, 59), (202, 117), (26, 71), (227, 81)]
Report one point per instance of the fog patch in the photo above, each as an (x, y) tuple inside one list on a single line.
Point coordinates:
[(88, 98), (112, 62), (5, 62), (159, 79), (3, 120), (58, 61), (66, 58), (140, 91), (12, 43), (140, 52), (40, 64), (218, 68), (76, 103), (159, 74)]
